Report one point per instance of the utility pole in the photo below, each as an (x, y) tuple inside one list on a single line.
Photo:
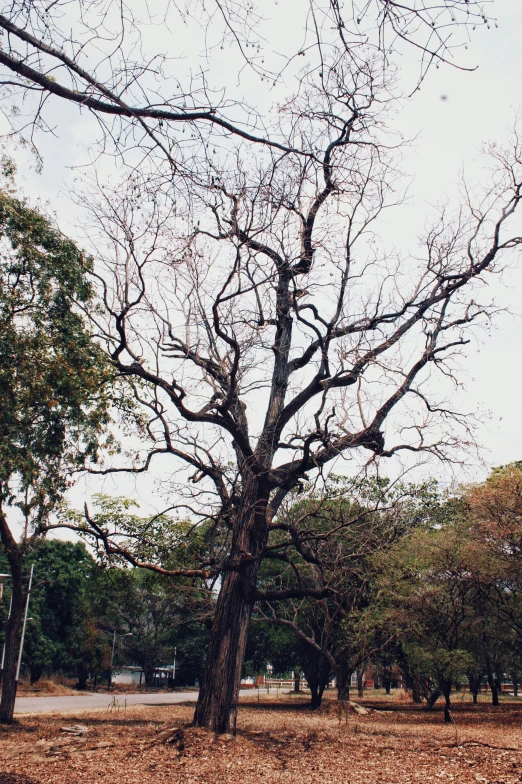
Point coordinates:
[(129, 634), (25, 623)]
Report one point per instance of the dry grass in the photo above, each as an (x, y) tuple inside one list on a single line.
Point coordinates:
[(60, 687), (276, 742)]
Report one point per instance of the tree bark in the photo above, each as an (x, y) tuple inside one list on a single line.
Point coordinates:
[(474, 680), (494, 688), (36, 672), (217, 703), (148, 669), (82, 681), (216, 708), (12, 629), (416, 695), (447, 704), (432, 699), (343, 675), (316, 696), (297, 681), (360, 682), (317, 672)]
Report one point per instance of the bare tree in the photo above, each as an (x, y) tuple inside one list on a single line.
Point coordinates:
[(267, 335), (102, 57), (247, 301)]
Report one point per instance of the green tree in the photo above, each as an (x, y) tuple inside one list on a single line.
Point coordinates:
[(162, 610), (425, 581), (65, 602), (54, 389), (336, 538), (161, 616)]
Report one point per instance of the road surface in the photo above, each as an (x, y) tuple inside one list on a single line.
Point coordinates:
[(87, 702)]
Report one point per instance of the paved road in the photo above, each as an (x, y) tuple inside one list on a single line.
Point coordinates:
[(87, 702)]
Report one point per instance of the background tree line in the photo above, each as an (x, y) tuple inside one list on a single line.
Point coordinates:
[(418, 586), (77, 605)]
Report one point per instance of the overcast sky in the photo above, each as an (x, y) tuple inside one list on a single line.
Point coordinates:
[(451, 117)]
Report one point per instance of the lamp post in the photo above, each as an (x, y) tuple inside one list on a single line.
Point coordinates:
[(25, 623), (174, 667), (269, 670), (2, 578), (129, 634)]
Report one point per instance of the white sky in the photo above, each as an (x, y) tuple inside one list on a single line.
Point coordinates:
[(476, 107)]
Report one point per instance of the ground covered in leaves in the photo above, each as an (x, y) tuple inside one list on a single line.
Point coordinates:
[(277, 741)]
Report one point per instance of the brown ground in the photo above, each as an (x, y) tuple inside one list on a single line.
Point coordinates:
[(277, 741)]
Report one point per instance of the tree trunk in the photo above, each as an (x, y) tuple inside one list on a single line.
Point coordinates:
[(416, 695), (387, 685), (316, 698), (82, 680), (494, 688), (514, 680), (148, 669), (36, 672), (432, 699), (474, 680), (317, 672), (447, 704), (343, 675), (360, 682), (216, 708), (12, 642), (297, 681), (217, 703)]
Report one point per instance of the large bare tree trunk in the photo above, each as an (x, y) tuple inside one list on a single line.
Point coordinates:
[(217, 703), (216, 708)]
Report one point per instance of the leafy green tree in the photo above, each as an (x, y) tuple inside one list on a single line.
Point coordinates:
[(163, 611), (336, 536), (425, 579), (161, 616), (65, 602), (54, 388)]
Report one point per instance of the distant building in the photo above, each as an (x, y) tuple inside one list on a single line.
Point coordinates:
[(128, 676)]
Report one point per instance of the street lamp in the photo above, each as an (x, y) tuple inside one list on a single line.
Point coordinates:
[(25, 623), (129, 634), (269, 671), (2, 578), (26, 611)]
